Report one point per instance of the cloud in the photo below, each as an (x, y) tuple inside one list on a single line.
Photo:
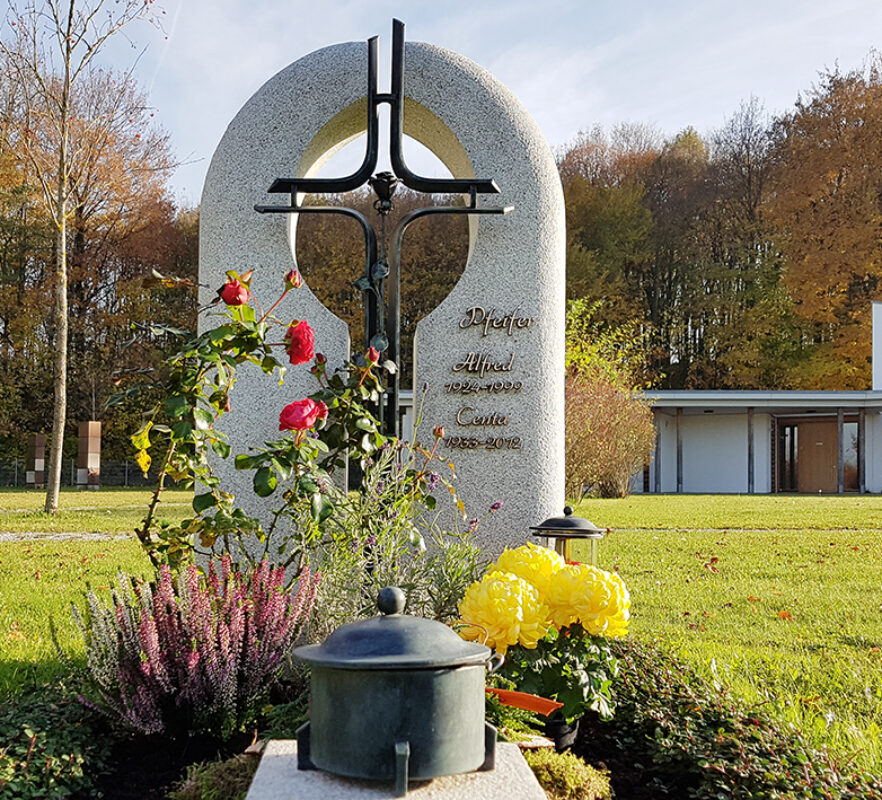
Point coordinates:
[(571, 63)]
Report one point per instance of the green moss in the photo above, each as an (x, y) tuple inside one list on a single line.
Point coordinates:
[(218, 780), (565, 776)]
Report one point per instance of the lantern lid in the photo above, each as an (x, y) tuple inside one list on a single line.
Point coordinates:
[(393, 640), (568, 527)]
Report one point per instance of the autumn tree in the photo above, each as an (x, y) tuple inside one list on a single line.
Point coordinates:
[(49, 50), (827, 188)]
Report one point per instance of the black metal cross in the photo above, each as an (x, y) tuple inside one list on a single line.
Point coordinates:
[(382, 333)]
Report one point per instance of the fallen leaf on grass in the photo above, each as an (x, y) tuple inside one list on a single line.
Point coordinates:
[(753, 599), (785, 615)]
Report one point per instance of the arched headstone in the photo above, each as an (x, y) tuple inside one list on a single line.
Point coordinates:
[(491, 355)]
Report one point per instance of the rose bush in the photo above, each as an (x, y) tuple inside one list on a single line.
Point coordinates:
[(379, 533)]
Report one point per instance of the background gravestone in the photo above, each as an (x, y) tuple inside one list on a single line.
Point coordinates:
[(497, 385)]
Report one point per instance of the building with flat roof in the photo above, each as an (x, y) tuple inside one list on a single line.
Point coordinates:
[(769, 441)]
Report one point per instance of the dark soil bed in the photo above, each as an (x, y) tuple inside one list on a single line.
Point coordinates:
[(146, 767)]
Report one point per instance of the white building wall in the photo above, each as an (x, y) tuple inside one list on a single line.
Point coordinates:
[(714, 448), (873, 445), (714, 453)]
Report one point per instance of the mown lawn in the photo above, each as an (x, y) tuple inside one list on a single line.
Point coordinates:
[(776, 597), (789, 616), (112, 511), (40, 579)]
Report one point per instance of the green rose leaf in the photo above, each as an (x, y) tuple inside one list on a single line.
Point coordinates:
[(265, 482), (203, 419), (203, 501), (176, 406), (182, 429)]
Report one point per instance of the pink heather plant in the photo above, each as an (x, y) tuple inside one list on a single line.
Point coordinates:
[(197, 654)]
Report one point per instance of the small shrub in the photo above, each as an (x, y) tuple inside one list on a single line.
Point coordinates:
[(51, 746), (610, 435), (196, 655), (218, 780), (390, 534), (566, 777)]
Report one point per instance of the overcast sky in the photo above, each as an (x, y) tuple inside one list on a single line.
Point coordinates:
[(671, 63)]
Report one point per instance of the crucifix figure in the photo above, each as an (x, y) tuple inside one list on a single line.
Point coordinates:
[(383, 265)]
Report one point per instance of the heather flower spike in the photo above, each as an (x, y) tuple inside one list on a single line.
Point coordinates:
[(200, 649)]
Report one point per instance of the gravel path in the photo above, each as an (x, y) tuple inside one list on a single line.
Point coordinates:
[(58, 536)]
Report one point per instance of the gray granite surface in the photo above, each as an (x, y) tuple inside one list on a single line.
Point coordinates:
[(514, 428), (278, 778)]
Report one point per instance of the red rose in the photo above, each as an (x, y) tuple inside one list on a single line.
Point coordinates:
[(300, 342), (372, 356), (322, 409), (234, 293), (301, 414), (293, 280)]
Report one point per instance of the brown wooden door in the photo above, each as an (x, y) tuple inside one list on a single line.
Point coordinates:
[(817, 453)]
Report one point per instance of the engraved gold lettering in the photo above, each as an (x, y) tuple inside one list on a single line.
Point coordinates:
[(488, 320), (465, 416), (482, 363)]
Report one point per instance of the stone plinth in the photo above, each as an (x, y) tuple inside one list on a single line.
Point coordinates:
[(89, 455), (35, 469), (278, 778)]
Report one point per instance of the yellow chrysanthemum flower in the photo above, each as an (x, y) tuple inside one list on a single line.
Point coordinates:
[(508, 608), (598, 600), (535, 564)]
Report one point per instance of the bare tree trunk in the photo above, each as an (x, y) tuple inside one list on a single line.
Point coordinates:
[(59, 409), (78, 29), (62, 190)]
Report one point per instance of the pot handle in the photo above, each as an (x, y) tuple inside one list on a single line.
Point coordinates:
[(495, 662)]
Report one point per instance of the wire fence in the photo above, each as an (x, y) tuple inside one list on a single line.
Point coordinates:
[(113, 473)]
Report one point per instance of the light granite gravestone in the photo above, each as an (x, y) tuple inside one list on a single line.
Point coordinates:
[(491, 355)]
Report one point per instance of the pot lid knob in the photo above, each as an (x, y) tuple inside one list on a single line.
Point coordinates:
[(391, 600)]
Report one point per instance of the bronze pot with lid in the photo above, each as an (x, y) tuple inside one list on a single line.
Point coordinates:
[(396, 697)]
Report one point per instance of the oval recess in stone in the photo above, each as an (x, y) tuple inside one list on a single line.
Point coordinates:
[(329, 249)]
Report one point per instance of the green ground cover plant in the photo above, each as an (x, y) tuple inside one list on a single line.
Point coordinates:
[(787, 619), (50, 745), (679, 735)]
